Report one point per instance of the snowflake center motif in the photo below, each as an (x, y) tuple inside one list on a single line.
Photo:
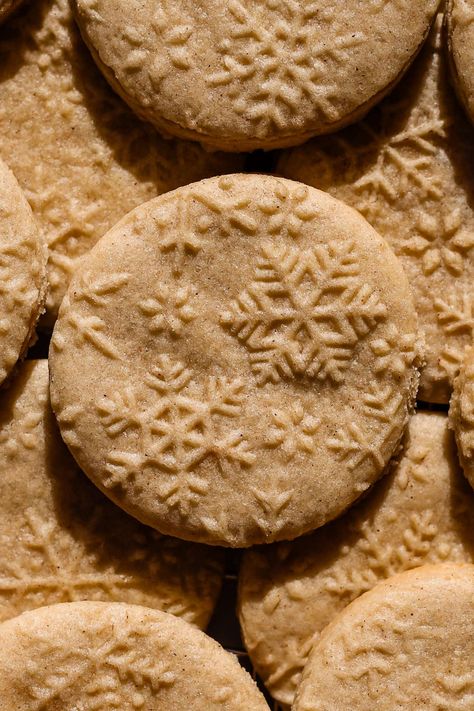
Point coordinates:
[(276, 58), (304, 313)]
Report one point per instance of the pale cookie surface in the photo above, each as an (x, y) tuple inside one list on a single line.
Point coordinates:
[(62, 540), (407, 644), (249, 74), (461, 413), (82, 157), (460, 30), (408, 169), (92, 655), (210, 355), (22, 272), (421, 512)]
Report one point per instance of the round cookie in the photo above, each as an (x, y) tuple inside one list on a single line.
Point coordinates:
[(460, 34), (22, 273), (62, 540), (6, 7), (96, 655), (250, 74), (461, 413), (408, 643), (421, 512), (209, 358), (81, 156), (407, 168)]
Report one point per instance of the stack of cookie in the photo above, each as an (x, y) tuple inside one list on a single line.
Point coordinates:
[(244, 350)]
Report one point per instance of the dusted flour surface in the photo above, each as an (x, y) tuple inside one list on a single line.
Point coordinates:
[(96, 655), (22, 273), (408, 643), (408, 169), (421, 512), (210, 355), (82, 157), (249, 74), (62, 540)]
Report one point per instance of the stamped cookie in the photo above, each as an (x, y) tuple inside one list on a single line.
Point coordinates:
[(249, 74), (22, 272), (96, 655), (461, 413), (406, 644), (408, 169), (80, 154), (421, 512), (62, 540), (210, 355), (460, 32)]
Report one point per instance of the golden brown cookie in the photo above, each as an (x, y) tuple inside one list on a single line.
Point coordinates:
[(421, 512), (406, 644), (22, 273), (461, 413), (61, 540), (212, 350), (249, 74), (460, 36), (82, 157), (95, 655), (408, 169)]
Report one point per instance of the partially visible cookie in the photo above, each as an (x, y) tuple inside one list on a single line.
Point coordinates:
[(61, 540), (421, 512), (235, 361), (108, 656), (6, 7), (460, 35), (249, 74), (82, 157), (22, 272), (408, 169), (461, 413), (407, 644)]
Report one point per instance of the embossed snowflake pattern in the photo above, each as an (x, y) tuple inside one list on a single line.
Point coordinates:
[(114, 673), (171, 309), (277, 57), (440, 242), (304, 313), (455, 315), (292, 430), (179, 424), (394, 353), (287, 211)]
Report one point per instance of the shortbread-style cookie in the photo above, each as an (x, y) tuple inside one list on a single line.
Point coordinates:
[(460, 31), (96, 655), (22, 272), (408, 643), (6, 7), (80, 154), (249, 74), (421, 512), (461, 413), (235, 361), (62, 540), (408, 169)]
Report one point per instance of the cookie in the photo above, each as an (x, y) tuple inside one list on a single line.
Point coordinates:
[(407, 168), (460, 35), (212, 349), (461, 414), (421, 512), (96, 655), (250, 74), (408, 643), (22, 273), (62, 540), (80, 154), (6, 7)]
